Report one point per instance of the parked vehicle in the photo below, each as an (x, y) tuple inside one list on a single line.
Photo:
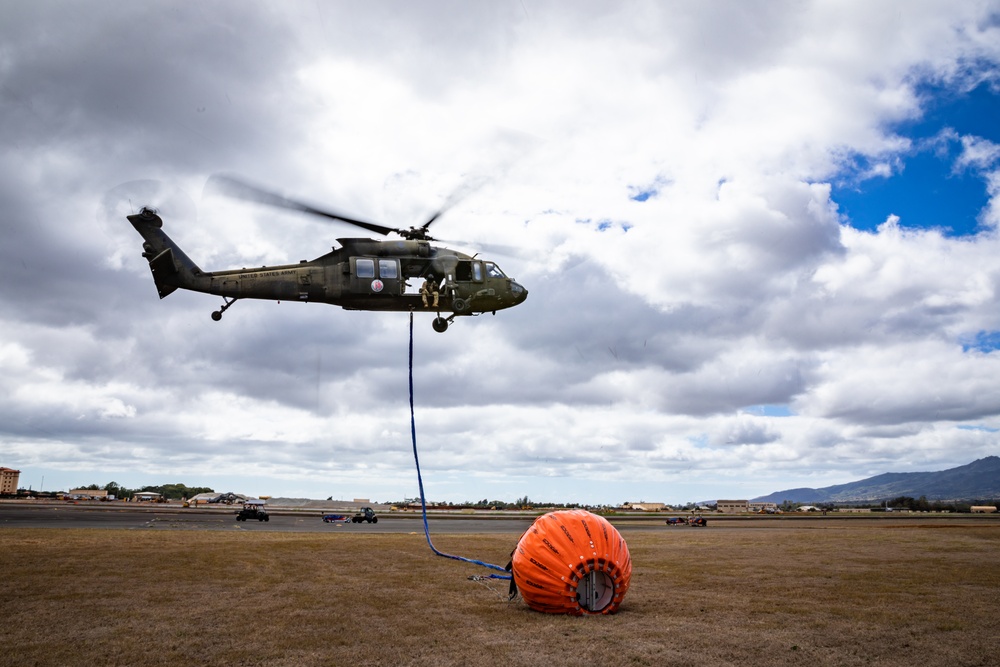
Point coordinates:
[(365, 514), (697, 521), (253, 509)]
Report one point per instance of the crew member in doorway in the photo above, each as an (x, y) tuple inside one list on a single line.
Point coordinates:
[(429, 289)]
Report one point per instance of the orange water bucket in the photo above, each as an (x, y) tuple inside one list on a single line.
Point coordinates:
[(572, 562)]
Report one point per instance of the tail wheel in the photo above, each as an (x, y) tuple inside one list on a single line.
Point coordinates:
[(217, 314)]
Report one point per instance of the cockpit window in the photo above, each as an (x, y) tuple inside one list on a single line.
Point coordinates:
[(493, 271)]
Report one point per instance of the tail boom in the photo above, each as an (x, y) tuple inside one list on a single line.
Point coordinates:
[(171, 268)]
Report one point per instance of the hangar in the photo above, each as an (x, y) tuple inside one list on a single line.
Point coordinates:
[(88, 494)]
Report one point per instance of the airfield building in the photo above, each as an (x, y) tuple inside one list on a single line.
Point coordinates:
[(8, 481), (644, 507), (88, 494), (732, 506), (742, 506)]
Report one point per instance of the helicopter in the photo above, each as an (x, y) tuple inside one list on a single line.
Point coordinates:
[(361, 274)]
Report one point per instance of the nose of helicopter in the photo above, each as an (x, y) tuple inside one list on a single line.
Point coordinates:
[(520, 294)]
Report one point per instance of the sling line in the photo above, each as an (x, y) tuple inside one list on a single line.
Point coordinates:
[(420, 481)]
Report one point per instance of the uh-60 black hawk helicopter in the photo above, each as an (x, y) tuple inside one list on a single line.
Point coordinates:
[(362, 274)]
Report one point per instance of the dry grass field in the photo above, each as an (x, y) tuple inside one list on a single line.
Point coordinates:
[(815, 593)]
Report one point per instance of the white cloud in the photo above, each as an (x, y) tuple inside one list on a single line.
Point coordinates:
[(979, 153), (653, 323)]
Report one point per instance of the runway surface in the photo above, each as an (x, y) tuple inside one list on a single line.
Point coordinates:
[(173, 518), (128, 516)]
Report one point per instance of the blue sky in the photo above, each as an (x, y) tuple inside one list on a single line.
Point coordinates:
[(926, 189)]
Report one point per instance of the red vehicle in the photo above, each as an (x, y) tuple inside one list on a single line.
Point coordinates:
[(698, 521)]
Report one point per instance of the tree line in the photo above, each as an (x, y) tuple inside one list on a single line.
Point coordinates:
[(921, 504), (169, 491), (523, 502)]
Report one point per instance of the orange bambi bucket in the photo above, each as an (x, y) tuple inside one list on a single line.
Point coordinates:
[(572, 562)]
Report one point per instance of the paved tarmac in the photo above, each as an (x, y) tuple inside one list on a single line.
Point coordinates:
[(126, 517), (129, 516)]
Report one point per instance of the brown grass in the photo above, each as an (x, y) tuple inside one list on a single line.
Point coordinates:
[(841, 593)]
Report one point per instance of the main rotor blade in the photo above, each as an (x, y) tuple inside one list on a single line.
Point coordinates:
[(461, 192), (494, 248), (238, 189)]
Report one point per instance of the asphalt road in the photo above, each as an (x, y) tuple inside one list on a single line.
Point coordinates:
[(126, 517)]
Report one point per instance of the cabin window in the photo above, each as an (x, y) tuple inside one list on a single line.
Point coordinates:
[(388, 269), (364, 268), (466, 271)]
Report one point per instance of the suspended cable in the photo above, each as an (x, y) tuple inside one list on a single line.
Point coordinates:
[(420, 481)]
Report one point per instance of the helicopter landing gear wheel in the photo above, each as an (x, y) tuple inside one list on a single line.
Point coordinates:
[(217, 315), (440, 324)]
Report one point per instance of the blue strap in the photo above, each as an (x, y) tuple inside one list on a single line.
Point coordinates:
[(420, 481)]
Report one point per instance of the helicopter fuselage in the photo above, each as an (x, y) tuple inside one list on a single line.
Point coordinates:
[(362, 274)]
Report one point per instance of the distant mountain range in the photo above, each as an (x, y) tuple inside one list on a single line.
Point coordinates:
[(979, 479)]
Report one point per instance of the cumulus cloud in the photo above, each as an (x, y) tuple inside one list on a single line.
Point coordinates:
[(664, 172)]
